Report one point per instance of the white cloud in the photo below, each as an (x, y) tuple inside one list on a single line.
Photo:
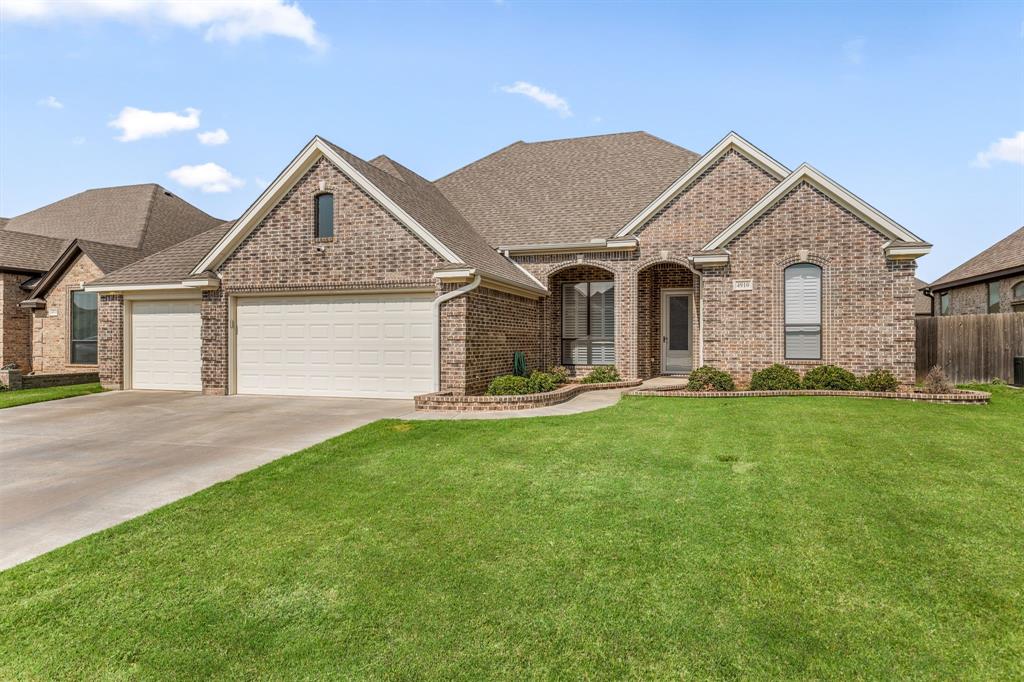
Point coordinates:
[(51, 102), (227, 20), (136, 124), (208, 177), (213, 137), (538, 94), (1009, 149)]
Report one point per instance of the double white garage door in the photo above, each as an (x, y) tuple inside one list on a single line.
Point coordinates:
[(373, 346)]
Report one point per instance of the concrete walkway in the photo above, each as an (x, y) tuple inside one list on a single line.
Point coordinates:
[(72, 467)]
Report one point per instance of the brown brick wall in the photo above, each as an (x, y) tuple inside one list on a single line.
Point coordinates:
[(110, 344), (15, 323), (497, 325), (650, 283), (972, 299), (51, 326), (867, 311)]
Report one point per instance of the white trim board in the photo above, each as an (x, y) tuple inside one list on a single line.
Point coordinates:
[(732, 141), (316, 148), (872, 216)]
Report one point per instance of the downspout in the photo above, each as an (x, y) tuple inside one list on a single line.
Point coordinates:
[(700, 316), (437, 315)]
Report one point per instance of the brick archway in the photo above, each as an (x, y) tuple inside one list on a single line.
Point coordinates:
[(652, 279)]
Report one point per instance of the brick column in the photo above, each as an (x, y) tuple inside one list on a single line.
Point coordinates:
[(625, 323), (110, 341), (214, 336)]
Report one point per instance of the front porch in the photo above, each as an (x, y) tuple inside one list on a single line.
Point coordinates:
[(644, 320)]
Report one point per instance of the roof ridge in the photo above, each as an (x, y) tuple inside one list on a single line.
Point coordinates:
[(482, 158), (149, 215), (590, 137)]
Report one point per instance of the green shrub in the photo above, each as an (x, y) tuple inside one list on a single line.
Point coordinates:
[(605, 374), (509, 384), (775, 378), (559, 372), (880, 380), (830, 378), (708, 378), (542, 382)]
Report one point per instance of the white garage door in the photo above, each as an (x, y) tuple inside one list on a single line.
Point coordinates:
[(372, 346), (166, 345)]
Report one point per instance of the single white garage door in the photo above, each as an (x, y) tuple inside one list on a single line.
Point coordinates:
[(166, 345), (366, 346)]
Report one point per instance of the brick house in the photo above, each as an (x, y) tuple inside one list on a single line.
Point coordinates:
[(48, 323), (361, 278), (990, 282)]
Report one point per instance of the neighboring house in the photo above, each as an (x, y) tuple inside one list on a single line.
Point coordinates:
[(48, 322), (991, 282), (360, 278), (922, 300)]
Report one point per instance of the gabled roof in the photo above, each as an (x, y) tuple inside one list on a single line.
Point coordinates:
[(412, 200), (144, 217), (563, 191), (106, 257), (32, 253), (1005, 255), (898, 234), (170, 266), (731, 142)]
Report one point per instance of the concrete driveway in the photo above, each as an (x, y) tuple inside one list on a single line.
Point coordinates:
[(72, 467)]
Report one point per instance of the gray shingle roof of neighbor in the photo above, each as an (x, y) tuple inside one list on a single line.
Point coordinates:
[(113, 225), (570, 190), (1006, 254), (422, 200), (171, 265), (922, 302)]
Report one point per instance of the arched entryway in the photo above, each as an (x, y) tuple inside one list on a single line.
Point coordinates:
[(668, 319), (580, 328)]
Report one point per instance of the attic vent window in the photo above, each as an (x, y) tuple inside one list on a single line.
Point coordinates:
[(324, 216)]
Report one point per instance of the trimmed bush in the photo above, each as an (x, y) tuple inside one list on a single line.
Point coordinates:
[(937, 382), (542, 382), (830, 378), (775, 378), (561, 373), (509, 384), (605, 374), (880, 380), (708, 378)]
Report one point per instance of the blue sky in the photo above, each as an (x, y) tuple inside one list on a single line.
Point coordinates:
[(917, 108)]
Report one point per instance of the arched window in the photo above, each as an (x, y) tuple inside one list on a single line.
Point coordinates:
[(1018, 291), (324, 215), (803, 311)]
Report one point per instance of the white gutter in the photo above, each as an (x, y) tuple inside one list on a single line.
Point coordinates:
[(437, 328)]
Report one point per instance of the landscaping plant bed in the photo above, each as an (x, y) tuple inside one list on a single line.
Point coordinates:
[(959, 397), (450, 402)]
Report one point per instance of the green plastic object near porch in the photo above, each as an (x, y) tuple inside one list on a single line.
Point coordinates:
[(519, 363)]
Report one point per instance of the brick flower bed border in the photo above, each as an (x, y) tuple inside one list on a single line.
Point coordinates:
[(449, 402), (956, 398)]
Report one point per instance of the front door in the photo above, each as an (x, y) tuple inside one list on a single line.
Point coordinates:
[(676, 332)]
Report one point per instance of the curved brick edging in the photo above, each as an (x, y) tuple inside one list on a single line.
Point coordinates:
[(449, 402), (957, 398)]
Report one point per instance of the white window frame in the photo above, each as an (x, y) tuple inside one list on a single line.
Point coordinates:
[(786, 325), (589, 338)]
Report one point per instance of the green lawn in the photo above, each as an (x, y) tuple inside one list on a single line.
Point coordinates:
[(660, 538), (39, 395)]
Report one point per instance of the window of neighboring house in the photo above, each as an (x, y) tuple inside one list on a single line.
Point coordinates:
[(993, 297), (83, 328), (324, 215), (1018, 298), (588, 323), (803, 311), (944, 303)]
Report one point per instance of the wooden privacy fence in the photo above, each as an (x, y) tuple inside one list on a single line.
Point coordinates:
[(970, 348)]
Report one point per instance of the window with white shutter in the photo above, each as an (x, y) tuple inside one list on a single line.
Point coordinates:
[(803, 312), (588, 323)]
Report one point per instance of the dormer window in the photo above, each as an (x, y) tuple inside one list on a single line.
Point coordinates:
[(324, 216)]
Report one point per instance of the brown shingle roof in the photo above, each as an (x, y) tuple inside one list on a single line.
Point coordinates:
[(428, 206), (145, 217), (170, 265), (28, 252), (922, 303), (1006, 254), (570, 190)]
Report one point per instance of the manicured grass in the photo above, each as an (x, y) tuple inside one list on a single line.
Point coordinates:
[(660, 538), (39, 395)]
